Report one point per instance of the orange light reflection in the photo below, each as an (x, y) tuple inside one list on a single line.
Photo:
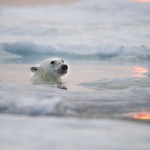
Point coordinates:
[(140, 71), (144, 115), (141, 1)]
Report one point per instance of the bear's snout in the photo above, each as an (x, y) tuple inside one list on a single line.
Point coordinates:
[(64, 67)]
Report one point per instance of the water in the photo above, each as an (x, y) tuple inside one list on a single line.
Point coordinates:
[(72, 134), (107, 47), (111, 30)]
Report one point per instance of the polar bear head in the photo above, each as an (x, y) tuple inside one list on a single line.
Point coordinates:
[(50, 70)]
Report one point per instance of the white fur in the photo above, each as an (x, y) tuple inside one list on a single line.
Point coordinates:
[(47, 72)]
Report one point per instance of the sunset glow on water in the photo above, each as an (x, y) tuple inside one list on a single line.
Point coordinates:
[(144, 115), (141, 1), (140, 71)]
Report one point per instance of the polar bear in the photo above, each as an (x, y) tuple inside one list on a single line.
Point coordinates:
[(50, 72)]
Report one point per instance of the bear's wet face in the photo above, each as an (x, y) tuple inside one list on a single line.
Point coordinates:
[(59, 66)]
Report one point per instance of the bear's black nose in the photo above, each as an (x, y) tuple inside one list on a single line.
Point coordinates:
[(64, 67)]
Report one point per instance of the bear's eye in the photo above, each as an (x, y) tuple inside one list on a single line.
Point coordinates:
[(52, 62), (62, 61)]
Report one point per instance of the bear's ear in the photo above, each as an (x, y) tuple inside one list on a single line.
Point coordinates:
[(34, 69)]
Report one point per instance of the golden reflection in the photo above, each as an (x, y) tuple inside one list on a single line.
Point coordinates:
[(144, 115), (140, 71)]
